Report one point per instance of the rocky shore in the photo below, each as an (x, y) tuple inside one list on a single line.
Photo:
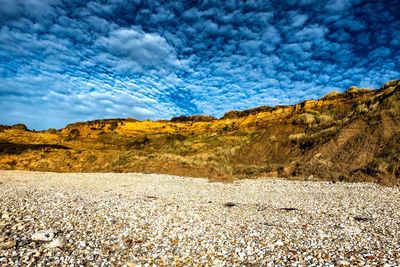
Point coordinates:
[(109, 219)]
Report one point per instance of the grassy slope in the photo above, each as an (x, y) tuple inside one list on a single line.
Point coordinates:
[(350, 136)]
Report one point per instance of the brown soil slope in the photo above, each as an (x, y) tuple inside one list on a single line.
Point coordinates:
[(353, 136)]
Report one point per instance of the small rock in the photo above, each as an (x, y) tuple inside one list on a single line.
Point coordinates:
[(342, 263), (7, 244), (229, 204), (3, 225), (323, 235), (352, 230), (280, 243), (218, 262), (18, 226), (43, 236), (361, 219), (241, 255), (59, 242), (5, 216), (289, 209), (82, 244), (369, 256)]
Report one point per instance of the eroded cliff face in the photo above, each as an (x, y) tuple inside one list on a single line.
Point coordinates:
[(351, 136)]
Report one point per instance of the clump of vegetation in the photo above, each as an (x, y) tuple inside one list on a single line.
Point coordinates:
[(362, 109), (112, 138), (331, 95), (113, 125), (20, 126), (136, 143), (304, 119), (296, 136), (324, 120), (73, 135), (387, 162), (12, 163), (310, 140), (193, 118), (121, 160), (91, 158)]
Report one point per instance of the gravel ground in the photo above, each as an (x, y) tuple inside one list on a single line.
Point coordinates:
[(50, 219)]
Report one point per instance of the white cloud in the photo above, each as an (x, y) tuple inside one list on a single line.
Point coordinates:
[(311, 32), (298, 20), (134, 50)]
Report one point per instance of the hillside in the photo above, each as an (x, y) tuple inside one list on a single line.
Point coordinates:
[(350, 136)]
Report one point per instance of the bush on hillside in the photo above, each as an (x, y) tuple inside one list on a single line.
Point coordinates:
[(74, 134)]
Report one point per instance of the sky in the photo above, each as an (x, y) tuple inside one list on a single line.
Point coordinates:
[(66, 61)]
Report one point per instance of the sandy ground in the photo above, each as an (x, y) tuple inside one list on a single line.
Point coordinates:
[(109, 219)]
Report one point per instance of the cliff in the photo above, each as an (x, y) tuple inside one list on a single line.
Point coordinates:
[(350, 136)]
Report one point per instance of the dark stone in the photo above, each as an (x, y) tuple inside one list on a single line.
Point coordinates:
[(361, 219), (229, 204), (289, 209)]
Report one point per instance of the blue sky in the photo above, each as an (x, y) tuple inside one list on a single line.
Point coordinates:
[(66, 61)]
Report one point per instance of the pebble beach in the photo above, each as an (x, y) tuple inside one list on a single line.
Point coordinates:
[(110, 219)]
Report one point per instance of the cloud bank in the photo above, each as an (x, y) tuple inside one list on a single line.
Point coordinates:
[(66, 61)]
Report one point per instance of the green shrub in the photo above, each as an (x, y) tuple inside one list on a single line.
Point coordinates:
[(92, 158)]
